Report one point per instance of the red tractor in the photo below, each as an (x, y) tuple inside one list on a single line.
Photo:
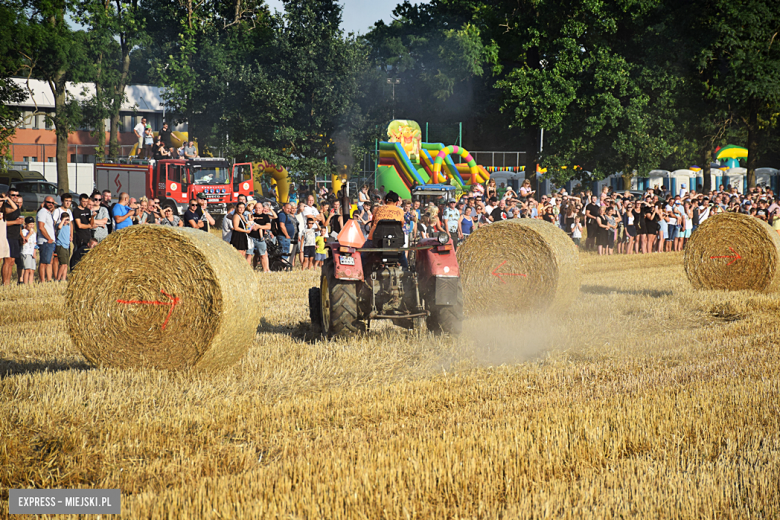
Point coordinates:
[(358, 285)]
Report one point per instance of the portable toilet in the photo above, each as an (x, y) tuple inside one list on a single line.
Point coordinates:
[(736, 178), (767, 178), (679, 177), (656, 179)]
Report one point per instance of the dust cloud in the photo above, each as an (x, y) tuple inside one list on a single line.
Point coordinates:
[(508, 339)]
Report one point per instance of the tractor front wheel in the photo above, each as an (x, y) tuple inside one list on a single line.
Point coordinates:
[(339, 305), (446, 319)]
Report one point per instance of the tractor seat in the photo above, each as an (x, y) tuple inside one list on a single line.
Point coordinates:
[(389, 234)]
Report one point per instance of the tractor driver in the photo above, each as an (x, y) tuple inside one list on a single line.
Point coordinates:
[(390, 211)]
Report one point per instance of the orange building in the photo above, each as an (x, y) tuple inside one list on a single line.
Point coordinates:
[(35, 140)]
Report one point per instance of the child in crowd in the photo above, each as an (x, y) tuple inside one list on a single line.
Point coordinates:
[(29, 237), (309, 245), (62, 246), (320, 253), (576, 230)]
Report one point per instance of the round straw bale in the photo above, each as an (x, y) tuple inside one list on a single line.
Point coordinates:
[(733, 251), (528, 264), (162, 297)]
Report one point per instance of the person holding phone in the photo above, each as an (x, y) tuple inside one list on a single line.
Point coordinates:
[(122, 212), (62, 246)]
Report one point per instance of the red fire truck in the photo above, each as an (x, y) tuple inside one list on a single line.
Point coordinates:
[(176, 181)]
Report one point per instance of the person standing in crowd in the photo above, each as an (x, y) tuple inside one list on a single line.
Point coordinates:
[(309, 245), (576, 230), (591, 227), (169, 219), (139, 131), (601, 231), (465, 224), (198, 216), (100, 218), (165, 135), (491, 191), (309, 210), (5, 251), (82, 222), (148, 143), (67, 202), (81, 252), (287, 226), (227, 223), (46, 239), (261, 228), (451, 218), (109, 205), (123, 213), (241, 228), (320, 252), (298, 243), (28, 239), (363, 197), (62, 245), (12, 215), (144, 216)]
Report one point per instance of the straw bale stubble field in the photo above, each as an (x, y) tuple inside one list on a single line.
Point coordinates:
[(646, 400)]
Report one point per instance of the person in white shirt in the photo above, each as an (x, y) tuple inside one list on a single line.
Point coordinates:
[(29, 238), (139, 130), (46, 239), (683, 191), (310, 211), (227, 224)]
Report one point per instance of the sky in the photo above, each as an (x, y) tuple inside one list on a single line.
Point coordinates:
[(359, 15)]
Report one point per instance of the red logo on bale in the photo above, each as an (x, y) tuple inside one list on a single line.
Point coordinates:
[(173, 303)]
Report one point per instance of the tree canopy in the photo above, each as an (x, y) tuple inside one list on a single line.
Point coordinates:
[(614, 86)]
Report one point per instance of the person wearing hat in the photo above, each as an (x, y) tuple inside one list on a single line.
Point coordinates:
[(450, 218)]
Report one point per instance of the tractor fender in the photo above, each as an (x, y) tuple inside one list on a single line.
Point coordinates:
[(346, 272), (436, 261)]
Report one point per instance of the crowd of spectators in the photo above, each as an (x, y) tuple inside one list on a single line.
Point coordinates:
[(161, 147), (610, 222), (60, 236)]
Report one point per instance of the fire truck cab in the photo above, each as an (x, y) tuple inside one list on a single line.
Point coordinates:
[(176, 181)]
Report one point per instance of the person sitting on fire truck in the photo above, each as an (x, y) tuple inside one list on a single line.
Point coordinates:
[(189, 151)]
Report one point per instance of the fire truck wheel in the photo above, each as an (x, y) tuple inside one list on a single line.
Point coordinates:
[(446, 319)]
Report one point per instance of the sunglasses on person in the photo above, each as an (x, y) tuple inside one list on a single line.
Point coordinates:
[(97, 199), (48, 202), (193, 204)]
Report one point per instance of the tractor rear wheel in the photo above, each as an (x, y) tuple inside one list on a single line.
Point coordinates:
[(339, 305), (446, 319)]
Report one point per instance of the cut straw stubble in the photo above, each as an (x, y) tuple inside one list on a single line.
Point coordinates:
[(161, 297)]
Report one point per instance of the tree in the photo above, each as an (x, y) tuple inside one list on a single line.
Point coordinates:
[(116, 27), (10, 65), (742, 61), (55, 53), (595, 78)]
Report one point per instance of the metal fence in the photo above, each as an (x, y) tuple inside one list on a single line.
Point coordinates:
[(77, 153)]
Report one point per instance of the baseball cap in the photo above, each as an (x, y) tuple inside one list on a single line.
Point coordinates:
[(451, 200), (29, 220), (201, 195)]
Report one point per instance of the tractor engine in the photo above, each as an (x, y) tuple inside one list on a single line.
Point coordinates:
[(389, 290)]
